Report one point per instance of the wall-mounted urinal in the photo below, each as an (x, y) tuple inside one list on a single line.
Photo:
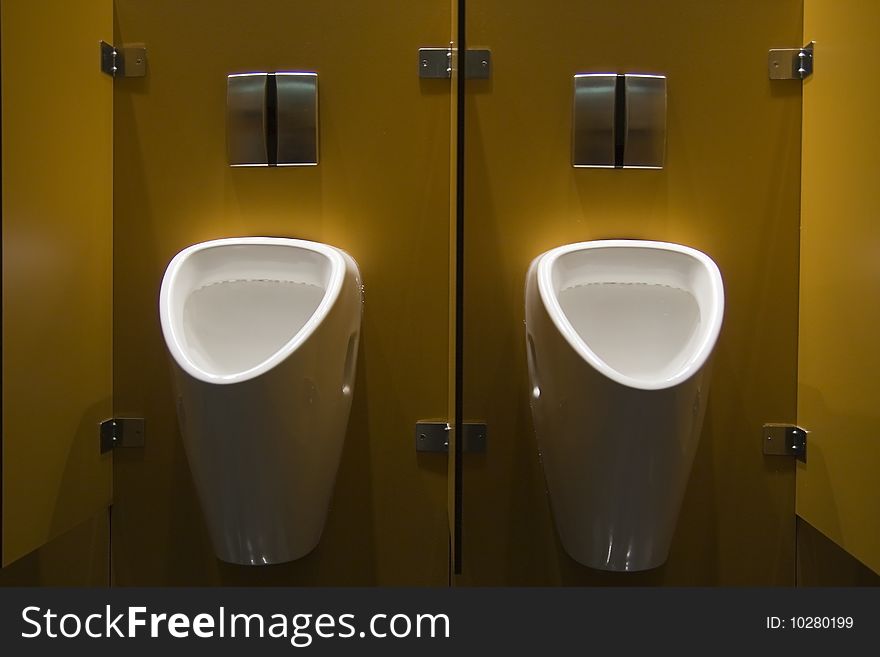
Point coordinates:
[(619, 338), (263, 334)]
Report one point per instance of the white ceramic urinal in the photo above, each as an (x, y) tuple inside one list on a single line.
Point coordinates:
[(619, 337), (263, 334)]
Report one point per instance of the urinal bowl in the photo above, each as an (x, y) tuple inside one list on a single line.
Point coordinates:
[(263, 334), (619, 338)]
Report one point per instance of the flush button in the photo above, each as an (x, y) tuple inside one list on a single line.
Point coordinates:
[(297, 115), (246, 121), (593, 120), (272, 119), (645, 131), (619, 121)]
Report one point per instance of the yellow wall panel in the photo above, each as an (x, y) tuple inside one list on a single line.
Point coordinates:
[(381, 192), (57, 237), (730, 188), (838, 491)]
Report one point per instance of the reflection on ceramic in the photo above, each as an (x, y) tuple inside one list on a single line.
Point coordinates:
[(263, 334), (619, 338)]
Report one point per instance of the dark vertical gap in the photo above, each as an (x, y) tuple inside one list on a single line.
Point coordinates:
[(619, 120), (2, 396), (110, 543), (271, 120), (449, 565), (459, 279)]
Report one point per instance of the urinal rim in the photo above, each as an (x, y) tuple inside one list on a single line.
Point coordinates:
[(544, 265), (334, 288)]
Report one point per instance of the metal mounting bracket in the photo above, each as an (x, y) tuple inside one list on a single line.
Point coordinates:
[(126, 62), (122, 432), (434, 437), (791, 63), (785, 440), (436, 63)]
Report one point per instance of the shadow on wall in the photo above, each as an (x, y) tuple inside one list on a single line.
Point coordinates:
[(79, 557), (83, 447), (821, 562)]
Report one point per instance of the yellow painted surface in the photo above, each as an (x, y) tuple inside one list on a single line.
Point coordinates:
[(730, 188), (381, 192), (79, 557), (838, 491), (57, 261)]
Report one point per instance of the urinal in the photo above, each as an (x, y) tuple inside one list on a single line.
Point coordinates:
[(263, 336), (619, 339)]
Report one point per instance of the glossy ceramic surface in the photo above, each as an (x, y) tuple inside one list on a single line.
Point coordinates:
[(263, 334), (619, 336)]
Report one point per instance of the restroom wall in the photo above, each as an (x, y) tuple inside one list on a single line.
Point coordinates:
[(57, 117), (730, 188), (380, 191)]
